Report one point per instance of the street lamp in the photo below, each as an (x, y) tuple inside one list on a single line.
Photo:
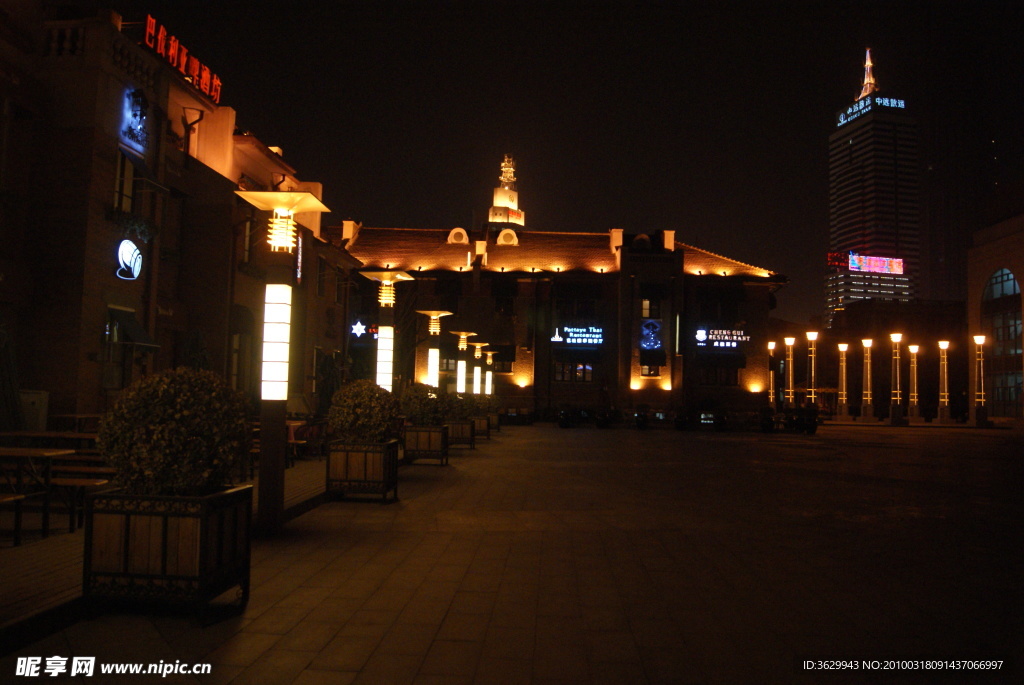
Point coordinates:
[(812, 353), (896, 406), (433, 377), (478, 354), (842, 411), (914, 407), (386, 327), (789, 370), (944, 414), (460, 364), (980, 412), (771, 373), (867, 409)]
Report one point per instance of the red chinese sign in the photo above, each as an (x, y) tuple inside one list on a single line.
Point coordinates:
[(177, 55)]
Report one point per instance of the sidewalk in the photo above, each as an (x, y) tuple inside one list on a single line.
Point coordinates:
[(623, 556)]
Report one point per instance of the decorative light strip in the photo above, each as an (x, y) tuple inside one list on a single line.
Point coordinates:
[(476, 380), (385, 355), (433, 366), (488, 382), (277, 317), (460, 376), (281, 232)]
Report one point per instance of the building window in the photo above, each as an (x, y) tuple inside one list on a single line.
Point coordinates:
[(719, 376), (502, 367), (650, 309), (448, 365), (574, 372), (340, 285), (321, 276), (124, 186), (650, 370), (1001, 322)]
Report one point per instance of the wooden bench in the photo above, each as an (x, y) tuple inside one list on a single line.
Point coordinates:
[(75, 470), (15, 500), (74, 494)]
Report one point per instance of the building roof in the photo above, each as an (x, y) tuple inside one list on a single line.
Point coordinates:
[(417, 249)]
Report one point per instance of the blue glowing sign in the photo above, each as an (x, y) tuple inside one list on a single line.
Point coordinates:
[(865, 105), (579, 335), (650, 334), (135, 109), (130, 259)]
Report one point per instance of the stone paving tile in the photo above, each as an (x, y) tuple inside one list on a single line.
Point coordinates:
[(309, 636), (274, 666), (452, 658)]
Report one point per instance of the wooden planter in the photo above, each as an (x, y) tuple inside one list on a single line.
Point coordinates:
[(460, 432), (482, 427), (166, 549), (426, 442), (354, 468), (494, 421)]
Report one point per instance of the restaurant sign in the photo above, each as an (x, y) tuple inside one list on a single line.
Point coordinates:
[(177, 55), (720, 338), (579, 335)]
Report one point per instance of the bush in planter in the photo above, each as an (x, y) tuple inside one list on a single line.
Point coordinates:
[(363, 457), (181, 432), (422, 405), (426, 435), (174, 532), (363, 412)]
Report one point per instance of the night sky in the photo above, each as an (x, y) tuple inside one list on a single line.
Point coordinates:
[(708, 118)]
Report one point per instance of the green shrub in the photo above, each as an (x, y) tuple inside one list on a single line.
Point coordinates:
[(179, 432), (422, 405), (363, 412)]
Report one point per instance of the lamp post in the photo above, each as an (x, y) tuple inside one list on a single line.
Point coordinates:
[(771, 373), (812, 354), (979, 409), (867, 409), (842, 410), (896, 401), (914, 404), (944, 413), (460, 364), (789, 370), (478, 353), (386, 326), (277, 312), (433, 377)]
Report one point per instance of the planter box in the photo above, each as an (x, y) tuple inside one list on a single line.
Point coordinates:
[(426, 442), (166, 549), (482, 427), (494, 421), (354, 468), (460, 432)]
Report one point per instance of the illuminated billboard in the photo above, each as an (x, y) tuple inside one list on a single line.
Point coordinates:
[(876, 265)]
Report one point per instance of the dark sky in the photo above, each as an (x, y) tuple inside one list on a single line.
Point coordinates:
[(709, 118)]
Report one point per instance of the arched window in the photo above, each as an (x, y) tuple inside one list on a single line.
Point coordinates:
[(1001, 319)]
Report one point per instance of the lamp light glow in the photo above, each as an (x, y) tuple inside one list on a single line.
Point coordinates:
[(979, 340), (460, 376), (843, 347), (943, 344), (281, 231), (385, 355), (276, 339)]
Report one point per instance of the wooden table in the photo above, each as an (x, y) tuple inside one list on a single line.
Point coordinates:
[(28, 472), (79, 423), (48, 439)]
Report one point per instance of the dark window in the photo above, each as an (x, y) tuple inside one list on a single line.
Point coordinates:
[(720, 376), (321, 276), (124, 187), (573, 372), (650, 370), (340, 286)]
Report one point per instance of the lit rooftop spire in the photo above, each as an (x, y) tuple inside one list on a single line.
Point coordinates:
[(869, 78), (508, 173)]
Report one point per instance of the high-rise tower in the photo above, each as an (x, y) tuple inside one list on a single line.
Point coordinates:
[(874, 201)]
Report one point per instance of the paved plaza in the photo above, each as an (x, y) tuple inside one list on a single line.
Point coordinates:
[(623, 556)]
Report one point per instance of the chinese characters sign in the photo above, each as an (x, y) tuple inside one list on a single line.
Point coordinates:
[(865, 105), (177, 55)]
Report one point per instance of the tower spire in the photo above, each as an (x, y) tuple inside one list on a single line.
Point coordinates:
[(869, 86), (508, 173)]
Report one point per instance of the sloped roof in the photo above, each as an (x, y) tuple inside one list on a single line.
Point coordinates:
[(418, 249)]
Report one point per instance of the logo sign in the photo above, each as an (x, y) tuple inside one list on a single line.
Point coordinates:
[(177, 55), (130, 259), (877, 265), (579, 335), (720, 338), (135, 109), (650, 334), (865, 105), (359, 329)]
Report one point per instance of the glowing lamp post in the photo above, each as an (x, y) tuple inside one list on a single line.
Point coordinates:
[(386, 328), (812, 354), (478, 354), (277, 310), (979, 409), (867, 409), (914, 402), (488, 374), (789, 370), (433, 351), (944, 413), (842, 410), (771, 373), (460, 364), (896, 406)]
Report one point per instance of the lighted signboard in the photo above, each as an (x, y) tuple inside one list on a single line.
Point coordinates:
[(720, 338), (130, 259), (134, 110), (876, 265), (579, 335), (177, 55), (650, 334), (865, 105)]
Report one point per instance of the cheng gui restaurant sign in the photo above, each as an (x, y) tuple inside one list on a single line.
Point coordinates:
[(177, 55)]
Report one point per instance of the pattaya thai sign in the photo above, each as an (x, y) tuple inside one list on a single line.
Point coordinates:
[(579, 335), (177, 55)]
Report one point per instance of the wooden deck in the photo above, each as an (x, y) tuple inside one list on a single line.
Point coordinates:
[(42, 575)]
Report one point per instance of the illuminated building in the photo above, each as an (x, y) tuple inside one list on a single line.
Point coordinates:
[(874, 201), (137, 254), (592, 320)]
